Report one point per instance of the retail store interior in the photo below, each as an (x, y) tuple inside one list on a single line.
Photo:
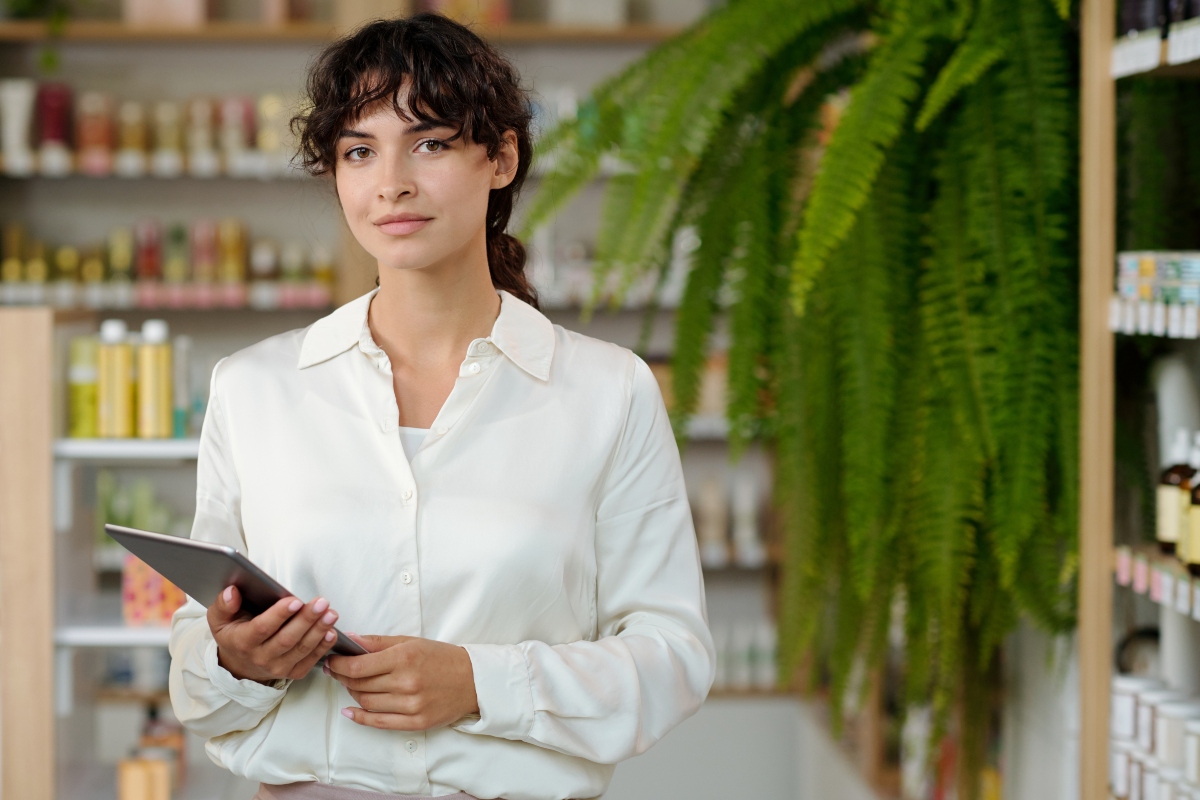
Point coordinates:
[(919, 283)]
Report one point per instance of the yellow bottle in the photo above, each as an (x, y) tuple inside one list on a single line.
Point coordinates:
[(82, 377), (115, 391), (154, 408)]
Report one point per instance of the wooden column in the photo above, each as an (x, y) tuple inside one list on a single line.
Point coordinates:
[(1096, 381), (27, 742)]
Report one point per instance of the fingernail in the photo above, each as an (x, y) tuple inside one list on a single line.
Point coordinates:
[(329, 618), (325, 667), (320, 605), (228, 594), (347, 713), (329, 637), (295, 606)]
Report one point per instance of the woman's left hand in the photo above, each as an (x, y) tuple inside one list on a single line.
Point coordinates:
[(405, 683)]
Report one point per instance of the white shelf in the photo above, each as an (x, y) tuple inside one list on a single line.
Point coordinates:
[(111, 635), (127, 449)]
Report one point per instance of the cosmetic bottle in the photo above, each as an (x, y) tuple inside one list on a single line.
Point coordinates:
[(181, 388), (54, 125), (204, 263), (231, 263), (94, 134), (147, 262), (748, 548), (120, 269), (16, 124), (115, 392), (155, 413), (174, 293), (273, 136), (167, 160), (131, 140), (203, 160), (320, 292), (37, 275), (93, 288), (12, 266), (713, 524), (766, 671), (237, 137), (264, 276), (64, 292), (83, 388), (292, 291), (1170, 482)]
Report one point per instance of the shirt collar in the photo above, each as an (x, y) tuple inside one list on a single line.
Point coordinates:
[(520, 331)]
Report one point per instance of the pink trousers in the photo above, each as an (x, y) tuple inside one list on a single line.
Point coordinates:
[(320, 791)]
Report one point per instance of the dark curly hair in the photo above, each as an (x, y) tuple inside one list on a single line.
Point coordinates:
[(456, 79)]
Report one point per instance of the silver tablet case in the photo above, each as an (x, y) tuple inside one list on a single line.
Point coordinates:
[(203, 570)]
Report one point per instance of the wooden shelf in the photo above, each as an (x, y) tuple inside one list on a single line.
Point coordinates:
[(108, 450), (115, 32)]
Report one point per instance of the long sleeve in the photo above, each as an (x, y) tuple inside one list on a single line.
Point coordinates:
[(207, 699), (652, 662)]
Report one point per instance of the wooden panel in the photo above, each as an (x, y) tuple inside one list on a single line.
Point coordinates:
[(1097, 257), (26, 555)]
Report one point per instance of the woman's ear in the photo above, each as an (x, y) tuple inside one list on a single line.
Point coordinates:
[(506, 161)]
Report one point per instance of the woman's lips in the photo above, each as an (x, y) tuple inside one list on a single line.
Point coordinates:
[(402, 227)]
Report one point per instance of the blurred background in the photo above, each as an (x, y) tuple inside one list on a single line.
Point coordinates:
[(919, 280)]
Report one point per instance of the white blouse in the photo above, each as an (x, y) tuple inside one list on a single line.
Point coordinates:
[(542, 524)]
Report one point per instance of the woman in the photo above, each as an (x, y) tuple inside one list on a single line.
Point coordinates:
[(495, 502)]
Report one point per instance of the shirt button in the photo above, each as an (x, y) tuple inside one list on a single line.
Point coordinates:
[(411, 744), (474, 368), (442, 430), (408, 494), (406, 577)]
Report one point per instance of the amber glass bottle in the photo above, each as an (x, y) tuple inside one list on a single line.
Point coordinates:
[(1172, 487)]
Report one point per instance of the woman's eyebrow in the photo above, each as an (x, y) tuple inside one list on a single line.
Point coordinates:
[(352, 134)]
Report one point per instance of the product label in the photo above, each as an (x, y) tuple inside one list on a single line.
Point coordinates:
[(1191, 322), (1167, 514), (1145, 316), (1175, 321), (1141, 575), (1158, 319), (1183, 596), (1124, 566), (1166, 588)]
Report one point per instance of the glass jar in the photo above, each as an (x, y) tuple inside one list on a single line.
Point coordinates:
[(1125, 689)]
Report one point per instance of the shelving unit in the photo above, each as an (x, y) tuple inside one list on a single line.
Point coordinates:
[(1104, 59), (43, 524)]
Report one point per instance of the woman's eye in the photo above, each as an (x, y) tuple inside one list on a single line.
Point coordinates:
[(357, 153), (436, 145)]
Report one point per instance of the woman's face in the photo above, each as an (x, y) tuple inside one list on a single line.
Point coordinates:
[(412, 198)]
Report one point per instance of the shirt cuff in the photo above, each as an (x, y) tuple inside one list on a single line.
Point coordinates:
[(250, 694), (503, 690)]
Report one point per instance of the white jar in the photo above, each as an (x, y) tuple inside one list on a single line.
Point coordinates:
[(1191, 751), (1118, 768), (1150, 778), (1169, 721), (1169, 781), (1146, 703), (1125, 689)]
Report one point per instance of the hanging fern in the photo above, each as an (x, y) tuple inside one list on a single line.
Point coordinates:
[(899, 287)]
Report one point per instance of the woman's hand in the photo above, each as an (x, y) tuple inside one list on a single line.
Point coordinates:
[(281, 642), (406, 683)]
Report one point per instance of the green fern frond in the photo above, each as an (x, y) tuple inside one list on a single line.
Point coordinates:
[(873, 120), (978, 53)]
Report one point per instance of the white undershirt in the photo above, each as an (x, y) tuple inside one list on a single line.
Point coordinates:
[(410, 439)]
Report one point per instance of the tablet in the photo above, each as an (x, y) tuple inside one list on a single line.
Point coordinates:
[(204, 570)]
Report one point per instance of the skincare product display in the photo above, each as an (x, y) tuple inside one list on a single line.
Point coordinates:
[(1158, 293), (207, 264), (50, 130), (1154, 740), (727, 520), (745, 656), (123, 385)]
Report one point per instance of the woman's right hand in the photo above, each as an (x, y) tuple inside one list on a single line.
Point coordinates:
[(285, 641)]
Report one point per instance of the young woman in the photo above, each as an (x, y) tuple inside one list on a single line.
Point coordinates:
[(494, 502)]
